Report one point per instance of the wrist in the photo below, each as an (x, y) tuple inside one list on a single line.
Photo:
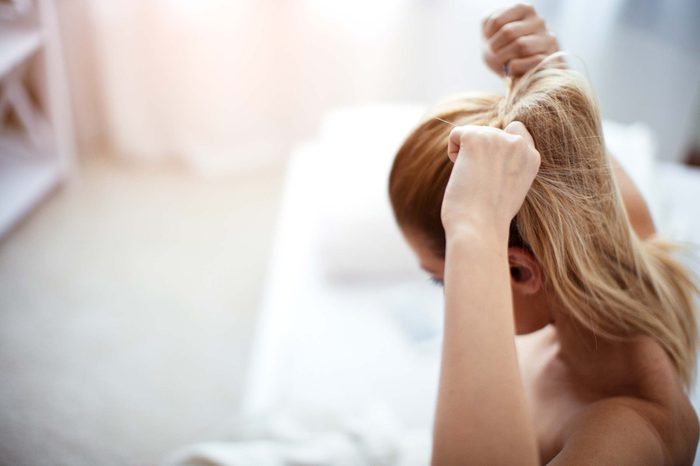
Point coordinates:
[(475, 224), (476, 232)]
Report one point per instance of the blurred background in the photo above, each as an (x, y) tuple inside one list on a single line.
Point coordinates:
[(186, 184)]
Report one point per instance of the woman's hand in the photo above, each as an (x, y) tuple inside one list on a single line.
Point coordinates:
[(492, 173), (517, 40)]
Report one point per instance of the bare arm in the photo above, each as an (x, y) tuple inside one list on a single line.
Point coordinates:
[(482, 415)]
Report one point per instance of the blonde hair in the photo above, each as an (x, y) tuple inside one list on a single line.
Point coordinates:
[(572, 220)]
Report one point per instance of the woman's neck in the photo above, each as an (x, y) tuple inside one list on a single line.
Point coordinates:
[(601, 364), (637, 366)]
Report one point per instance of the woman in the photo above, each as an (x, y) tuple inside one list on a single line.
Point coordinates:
[(521, 213)]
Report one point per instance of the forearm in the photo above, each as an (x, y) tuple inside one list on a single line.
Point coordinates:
[(482, 415)]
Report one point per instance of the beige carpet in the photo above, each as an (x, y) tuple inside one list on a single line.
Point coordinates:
[(127, 302)]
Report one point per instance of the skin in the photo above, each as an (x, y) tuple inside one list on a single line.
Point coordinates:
[(516, 39), (557, 394)]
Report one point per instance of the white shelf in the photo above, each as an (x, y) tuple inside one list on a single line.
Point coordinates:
[(16, 45), (33, 159), (27, 174)]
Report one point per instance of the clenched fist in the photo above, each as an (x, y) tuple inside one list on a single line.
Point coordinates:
[(493, 171), (516, 40)]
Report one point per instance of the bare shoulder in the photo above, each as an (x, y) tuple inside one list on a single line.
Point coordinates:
[(631, 431), (635, 205)]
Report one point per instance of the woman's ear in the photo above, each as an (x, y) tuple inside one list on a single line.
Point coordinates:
[(525, 271)]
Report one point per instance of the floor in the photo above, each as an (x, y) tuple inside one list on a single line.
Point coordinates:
[(127, 302)]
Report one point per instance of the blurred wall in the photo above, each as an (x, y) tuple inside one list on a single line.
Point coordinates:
[(226, 85), (643, 58), (229, 85)]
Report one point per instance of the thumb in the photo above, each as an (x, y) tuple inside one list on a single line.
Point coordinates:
[(516, 127)]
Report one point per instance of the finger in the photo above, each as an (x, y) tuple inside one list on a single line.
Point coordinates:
[(454, 142), (512, 31), (519, 129), (520, 66), (532, 158), (522, 47), (502, 17), (487, 18), (492, 61)]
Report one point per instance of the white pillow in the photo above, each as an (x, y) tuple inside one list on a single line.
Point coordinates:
[(359, 238)]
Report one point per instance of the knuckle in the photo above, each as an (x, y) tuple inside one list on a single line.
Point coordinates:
[(473, 138), (509, 32), (526, 7), (466, 138), (515, 141), (521, 46), (497, 23)]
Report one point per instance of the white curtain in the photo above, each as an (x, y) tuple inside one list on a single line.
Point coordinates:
[(197, 80)]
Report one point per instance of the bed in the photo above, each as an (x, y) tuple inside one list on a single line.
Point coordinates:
[(348, 336)]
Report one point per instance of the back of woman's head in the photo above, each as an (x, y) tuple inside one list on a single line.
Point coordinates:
[(572, 220)]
